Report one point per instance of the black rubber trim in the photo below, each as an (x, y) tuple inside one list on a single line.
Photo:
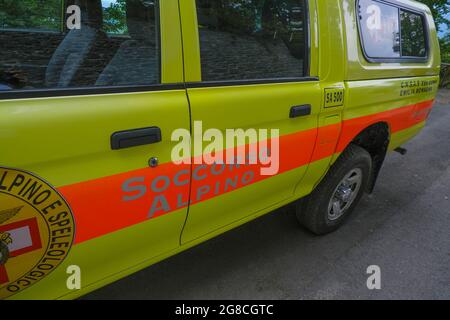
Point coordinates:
[(207, 84), (307, 55), (390, 78), (401, 59), (67, 92), (42, 93)]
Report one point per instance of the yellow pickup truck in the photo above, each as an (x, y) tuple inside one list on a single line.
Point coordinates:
[(111, 114)]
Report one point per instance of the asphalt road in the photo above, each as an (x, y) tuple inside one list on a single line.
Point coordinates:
[(404, 228)]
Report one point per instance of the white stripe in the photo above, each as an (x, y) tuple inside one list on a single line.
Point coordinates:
[(21, 239)]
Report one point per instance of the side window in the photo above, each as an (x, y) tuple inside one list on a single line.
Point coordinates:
[(116, 43), (380, 29), (390, 32), (413, 35), (252, 39)]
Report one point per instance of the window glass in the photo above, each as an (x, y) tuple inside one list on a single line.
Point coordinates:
[(413, 35), (89, 55), (380, 29), (252, 39)]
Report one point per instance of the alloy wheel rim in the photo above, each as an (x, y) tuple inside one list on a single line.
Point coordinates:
[(345, 194)]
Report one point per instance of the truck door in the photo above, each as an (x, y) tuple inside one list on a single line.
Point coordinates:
[(87, 108), (248, 67)]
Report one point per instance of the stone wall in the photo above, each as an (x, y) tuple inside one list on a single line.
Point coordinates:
[(25, 57), (227, 56), (26, 54)]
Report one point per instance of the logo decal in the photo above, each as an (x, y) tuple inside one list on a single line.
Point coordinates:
[(36, 230)]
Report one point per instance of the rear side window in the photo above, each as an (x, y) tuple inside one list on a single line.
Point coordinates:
[(252, 39), (97, 43), (391, 33)]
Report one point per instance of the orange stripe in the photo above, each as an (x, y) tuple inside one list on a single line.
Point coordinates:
[(99, 207), (294, 151), (398, 119)]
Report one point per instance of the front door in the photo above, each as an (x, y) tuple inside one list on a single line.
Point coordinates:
[(86, 117)]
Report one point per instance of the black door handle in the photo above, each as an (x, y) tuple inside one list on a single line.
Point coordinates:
[(300, 111), (136, 137)]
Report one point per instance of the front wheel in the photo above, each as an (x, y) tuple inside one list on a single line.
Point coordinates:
[(334, 199)]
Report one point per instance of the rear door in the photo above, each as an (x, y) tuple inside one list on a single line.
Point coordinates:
[(248, 67), (86, 115)]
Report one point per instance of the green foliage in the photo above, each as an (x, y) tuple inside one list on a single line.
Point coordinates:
[(445, 48), (114, 18), (46, 15), (31, 14), (440, 9)]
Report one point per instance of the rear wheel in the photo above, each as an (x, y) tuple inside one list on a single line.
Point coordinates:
[(334, 199)]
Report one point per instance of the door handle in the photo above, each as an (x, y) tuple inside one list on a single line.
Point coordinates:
[(300, 111), (136, 137)]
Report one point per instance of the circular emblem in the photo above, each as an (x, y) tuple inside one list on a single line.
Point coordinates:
[(36, 230)]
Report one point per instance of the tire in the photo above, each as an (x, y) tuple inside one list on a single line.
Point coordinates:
[(326, 209)]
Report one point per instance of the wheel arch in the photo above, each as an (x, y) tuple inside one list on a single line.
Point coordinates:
[(375, 139)]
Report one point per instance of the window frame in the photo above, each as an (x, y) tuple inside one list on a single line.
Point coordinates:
[(242, 82), (401, 59), (99, 90)]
